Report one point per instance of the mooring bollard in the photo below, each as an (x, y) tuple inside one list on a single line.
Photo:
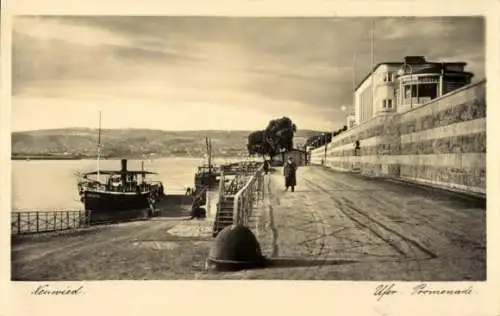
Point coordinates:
[(235, 248)]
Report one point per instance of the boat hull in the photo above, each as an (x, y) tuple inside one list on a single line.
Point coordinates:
[(206, 180), (116, 206)]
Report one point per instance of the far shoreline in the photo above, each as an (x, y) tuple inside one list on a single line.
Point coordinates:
[(38, 158), (47, 158)]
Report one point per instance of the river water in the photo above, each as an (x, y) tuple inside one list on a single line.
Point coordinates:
[(48, 185)]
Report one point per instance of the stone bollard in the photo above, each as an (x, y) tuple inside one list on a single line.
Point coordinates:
[(235, 248)]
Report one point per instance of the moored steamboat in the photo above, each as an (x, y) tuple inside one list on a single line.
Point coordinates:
[(115, 195)]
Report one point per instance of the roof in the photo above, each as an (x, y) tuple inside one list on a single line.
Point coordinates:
[(113, 172), (400, 64), (375, 68), (436, 68)]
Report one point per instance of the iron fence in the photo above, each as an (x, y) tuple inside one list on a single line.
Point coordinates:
[(42, 221)]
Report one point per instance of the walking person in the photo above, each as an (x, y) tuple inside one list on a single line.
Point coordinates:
[(289, 171), (266, 166)]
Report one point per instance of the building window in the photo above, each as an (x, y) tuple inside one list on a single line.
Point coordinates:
[(387, 103), (427, 90), (408, 92), (388, 77)]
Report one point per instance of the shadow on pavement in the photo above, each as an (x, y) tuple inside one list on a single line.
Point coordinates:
[(301, 262), (454, 199)]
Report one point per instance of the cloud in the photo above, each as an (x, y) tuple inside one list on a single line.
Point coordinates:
[(299, 66), (50, 29), (399, 28), (125, 113)]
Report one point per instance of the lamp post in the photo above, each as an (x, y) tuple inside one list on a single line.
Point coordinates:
[(401, 72), (441, 80), (343, 108), (326, 145)]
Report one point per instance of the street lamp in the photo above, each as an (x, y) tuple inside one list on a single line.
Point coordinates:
[(402, 71), (343, 108), (326, 145)]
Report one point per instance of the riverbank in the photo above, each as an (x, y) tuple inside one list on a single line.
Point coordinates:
[(46, 158), (335, 226), (55, 157)]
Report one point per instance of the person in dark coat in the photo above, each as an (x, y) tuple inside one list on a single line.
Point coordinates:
[(266, 166), (289, 171)]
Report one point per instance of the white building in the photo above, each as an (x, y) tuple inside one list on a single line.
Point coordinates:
[(351, 120), (375, 93), (400, 86)]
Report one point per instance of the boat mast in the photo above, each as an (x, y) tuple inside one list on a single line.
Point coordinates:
[(99, 149), (142, 170), (208, 153)]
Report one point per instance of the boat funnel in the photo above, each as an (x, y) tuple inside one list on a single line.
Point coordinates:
[(123, 171), (124, 165), (235, 248)]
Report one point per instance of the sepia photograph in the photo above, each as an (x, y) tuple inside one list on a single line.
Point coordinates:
[(338, 148)]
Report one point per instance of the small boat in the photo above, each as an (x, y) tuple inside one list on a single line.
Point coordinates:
[(115, 195), (231, 168), (121, 195), (207, 174)]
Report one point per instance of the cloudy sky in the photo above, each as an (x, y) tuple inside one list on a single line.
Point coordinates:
[(185, 73)]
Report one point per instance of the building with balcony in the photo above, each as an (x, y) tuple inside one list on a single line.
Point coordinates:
[(400, 86), (418, 81)]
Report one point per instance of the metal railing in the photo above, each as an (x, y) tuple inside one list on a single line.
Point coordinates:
[(30, 222), (246, 198), (243, 174), (238, 198)]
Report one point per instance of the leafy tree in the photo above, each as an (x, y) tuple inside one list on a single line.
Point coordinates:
[(276, 137)]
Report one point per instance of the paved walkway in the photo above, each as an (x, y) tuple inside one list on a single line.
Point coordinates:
[(345, 226)]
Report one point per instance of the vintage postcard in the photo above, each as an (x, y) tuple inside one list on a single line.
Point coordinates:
[(342, 144)]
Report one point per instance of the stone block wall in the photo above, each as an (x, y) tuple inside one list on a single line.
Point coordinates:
[(441, 143)]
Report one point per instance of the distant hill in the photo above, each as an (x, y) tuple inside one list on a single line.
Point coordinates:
[(133, 143)]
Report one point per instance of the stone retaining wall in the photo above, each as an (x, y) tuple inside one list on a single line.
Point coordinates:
[(441, 143)]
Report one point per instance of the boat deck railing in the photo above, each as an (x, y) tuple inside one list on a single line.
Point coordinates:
[(128, 188)]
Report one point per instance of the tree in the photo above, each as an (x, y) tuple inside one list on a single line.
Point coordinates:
[(257, 145), (277, 136), (329, 137)]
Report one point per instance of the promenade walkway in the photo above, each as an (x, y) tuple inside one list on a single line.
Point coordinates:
[(349, 227)]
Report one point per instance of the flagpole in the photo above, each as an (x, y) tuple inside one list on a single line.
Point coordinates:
[(372, 62), (353, 109), (99, 150)]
